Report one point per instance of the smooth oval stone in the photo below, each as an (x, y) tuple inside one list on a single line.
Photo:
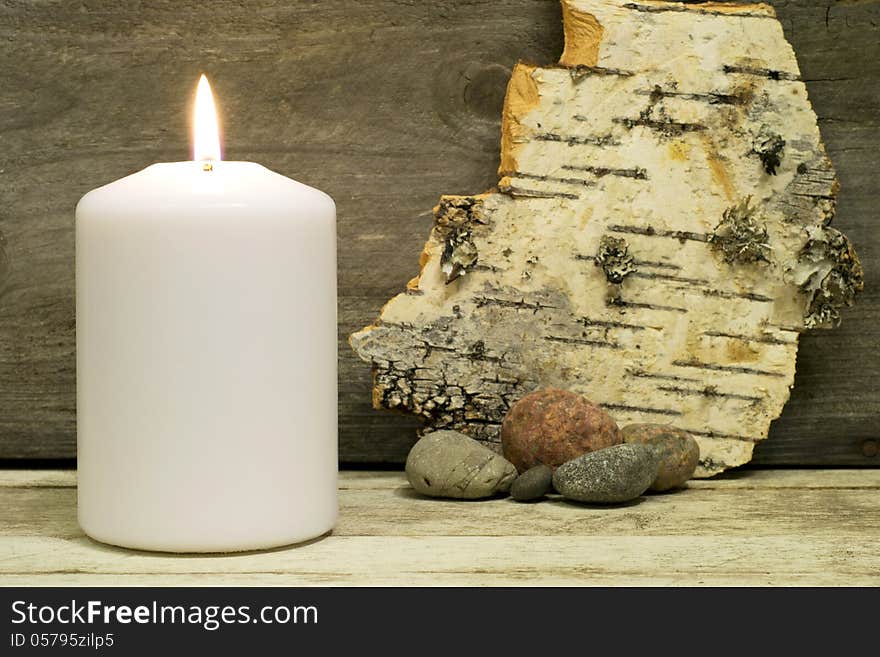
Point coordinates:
[(533, 484), (551, 426), (450, 464), (677, 451), (607, 476)]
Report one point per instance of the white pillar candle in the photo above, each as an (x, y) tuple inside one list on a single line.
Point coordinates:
[(206, 357)]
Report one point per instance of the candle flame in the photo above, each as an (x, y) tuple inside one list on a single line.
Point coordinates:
[(206, 138)]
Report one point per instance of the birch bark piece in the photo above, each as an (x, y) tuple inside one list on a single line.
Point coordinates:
[(657, 241)]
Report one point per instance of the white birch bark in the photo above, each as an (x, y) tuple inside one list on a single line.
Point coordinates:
[(657, 241)]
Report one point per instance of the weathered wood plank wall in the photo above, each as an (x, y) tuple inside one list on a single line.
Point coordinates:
[(384, 104)]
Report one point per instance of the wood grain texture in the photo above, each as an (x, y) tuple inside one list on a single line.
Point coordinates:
[(789, 527), (384, 105)]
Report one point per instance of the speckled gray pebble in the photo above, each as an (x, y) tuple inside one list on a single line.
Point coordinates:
[(533, 484), (608, 476), (450, 464)]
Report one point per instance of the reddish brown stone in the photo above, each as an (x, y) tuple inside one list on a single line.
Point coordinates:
[(677, 452), (552, 426)]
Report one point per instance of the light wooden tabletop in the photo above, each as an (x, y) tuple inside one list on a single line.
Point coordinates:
[(760, 527)]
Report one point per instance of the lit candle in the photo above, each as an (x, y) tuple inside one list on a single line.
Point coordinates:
[(206, 355)]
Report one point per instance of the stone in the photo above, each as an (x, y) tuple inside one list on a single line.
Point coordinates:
[(450, 464), (533, 484), (552, 426), (658, 238), (608, 476), (677, 452)]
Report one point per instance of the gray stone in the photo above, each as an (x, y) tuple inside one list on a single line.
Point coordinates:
[(611, 475), (532, 484), (450, 464)]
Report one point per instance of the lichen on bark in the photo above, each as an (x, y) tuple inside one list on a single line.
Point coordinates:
[(454, 219), (614, 259), (838, 285), (740, 235)]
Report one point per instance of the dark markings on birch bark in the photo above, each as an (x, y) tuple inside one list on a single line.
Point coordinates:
[(650, 231), (812, 182), (715, 434), (647, 306), (508, 303), (790, 329), (430, 348), (657, 9), (571, 140), (642, 409), (700, 286), (812, 195), (658, 265), (669, 277), (534, 193), (404, 326), (636, 262), (711, 97), (486, 357), (769, 73), (570, 181), (748, 338), (583, 341), (734, 369), (477, 351), (709, 391), (748, 296), (482, 420), (808, 191), (635, 172), (667, 127), (663, 377), (581, 71), (497, 379), (586, 321)]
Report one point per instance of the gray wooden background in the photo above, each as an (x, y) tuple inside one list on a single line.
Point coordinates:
[(384, 104)]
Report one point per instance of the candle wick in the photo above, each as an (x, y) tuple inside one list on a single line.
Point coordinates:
[(207, 166)]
